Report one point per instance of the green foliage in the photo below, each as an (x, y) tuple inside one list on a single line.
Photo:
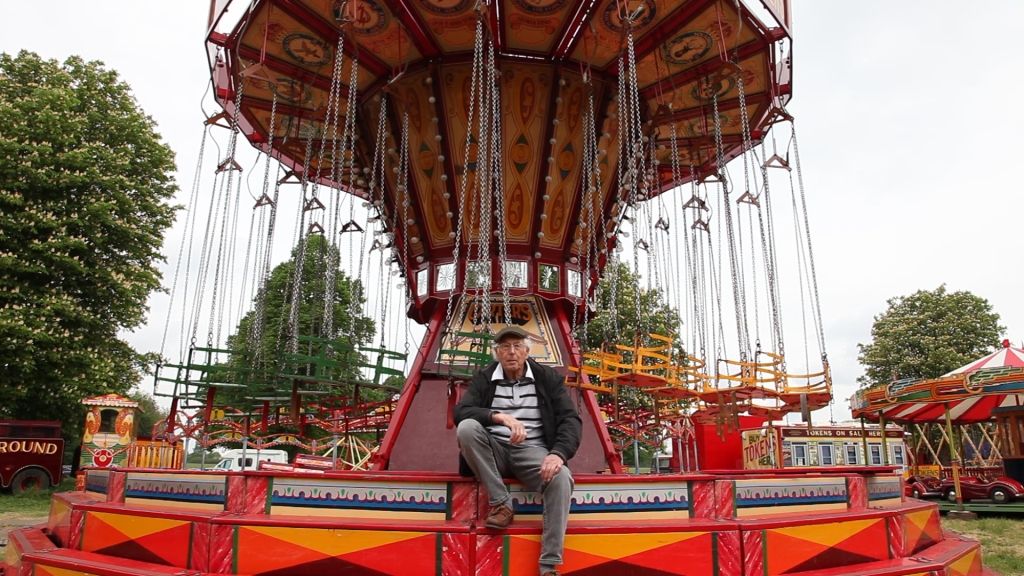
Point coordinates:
[(84, 188), (270, 352), (629, 321), (620, 320), (148, 415), (200, 457), (928, 334)]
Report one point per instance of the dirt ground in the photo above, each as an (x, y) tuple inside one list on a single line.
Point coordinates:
[(11, 520)]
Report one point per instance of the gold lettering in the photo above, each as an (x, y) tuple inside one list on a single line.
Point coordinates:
[(28, 447)]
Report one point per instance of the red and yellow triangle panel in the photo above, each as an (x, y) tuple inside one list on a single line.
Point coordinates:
[(144, 538), (967, 565), (921, 529), (280, 551), (648, 554), (819, 546)]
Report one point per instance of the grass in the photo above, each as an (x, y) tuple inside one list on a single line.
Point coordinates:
[(1001, 545), (32, 502)]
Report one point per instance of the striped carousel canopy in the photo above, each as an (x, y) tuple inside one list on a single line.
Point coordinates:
[(1007, 356), (972, 392)]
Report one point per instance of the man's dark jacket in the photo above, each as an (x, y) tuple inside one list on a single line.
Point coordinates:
[(562, 424)]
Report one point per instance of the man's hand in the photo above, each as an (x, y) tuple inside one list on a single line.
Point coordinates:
[(517, 428), (549, 467)]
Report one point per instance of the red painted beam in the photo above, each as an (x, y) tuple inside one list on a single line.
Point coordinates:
[(573, 30), (423, 40)]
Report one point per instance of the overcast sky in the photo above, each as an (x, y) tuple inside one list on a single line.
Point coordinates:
[(909, 139)]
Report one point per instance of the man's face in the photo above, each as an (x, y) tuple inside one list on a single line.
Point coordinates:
[(512, 354)]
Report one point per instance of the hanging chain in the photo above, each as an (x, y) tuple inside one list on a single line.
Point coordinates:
[(497, 157), (258, 326), (330, 132), (189, 221), (300, 256), (377, 176), (403, 189), (734, 266), (475, 81), (810, 249)]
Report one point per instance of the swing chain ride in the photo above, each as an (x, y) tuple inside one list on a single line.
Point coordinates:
[(626, 121)]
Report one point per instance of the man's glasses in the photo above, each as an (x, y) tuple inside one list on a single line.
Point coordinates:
[(508, 346)]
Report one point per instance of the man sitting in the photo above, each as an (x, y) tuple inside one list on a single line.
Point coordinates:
[(517, 418)]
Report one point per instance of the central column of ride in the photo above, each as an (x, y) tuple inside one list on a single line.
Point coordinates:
[(500, 228)]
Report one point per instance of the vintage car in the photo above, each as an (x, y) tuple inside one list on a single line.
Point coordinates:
[(923, 487), (999, 489)]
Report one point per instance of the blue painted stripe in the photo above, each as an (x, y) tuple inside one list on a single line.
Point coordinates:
[(622, 507), (883, 495), (210, 498), (357, 504), (100, 487), (754, 502)]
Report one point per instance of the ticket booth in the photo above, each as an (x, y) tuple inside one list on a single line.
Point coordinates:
[(109, 430)]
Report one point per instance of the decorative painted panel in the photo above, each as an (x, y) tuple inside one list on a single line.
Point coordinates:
[(359, 498), (768, 496), (625, 501), (820, 546), (648, 553), (138, 537), (190, 491), (279, 550), (884, 490)]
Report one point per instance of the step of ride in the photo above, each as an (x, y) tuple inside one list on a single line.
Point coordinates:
[(954, 556), (35, 553)]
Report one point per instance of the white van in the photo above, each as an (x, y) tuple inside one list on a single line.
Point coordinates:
[(249, 459)]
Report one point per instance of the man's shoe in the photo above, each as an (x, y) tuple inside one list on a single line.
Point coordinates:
[(550, 573), (499, 516)]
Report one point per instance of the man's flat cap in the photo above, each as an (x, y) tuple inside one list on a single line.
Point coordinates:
[(511, 332)]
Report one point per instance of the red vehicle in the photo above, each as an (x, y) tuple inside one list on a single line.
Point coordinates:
[(923, 487), (31, 454), (1000, 490)]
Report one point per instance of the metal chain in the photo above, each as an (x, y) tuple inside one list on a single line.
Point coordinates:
[(377, 180), (741, 329), (229, 161), (300, 256), (810, 249), (499, 199), (257, 327), (189, 221), (457, 235), (486, 178), (331, 124), (403, 189)]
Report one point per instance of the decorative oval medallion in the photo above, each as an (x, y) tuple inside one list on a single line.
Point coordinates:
[(687, 48)]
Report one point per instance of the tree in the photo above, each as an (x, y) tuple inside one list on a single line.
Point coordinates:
[(654, 315), (148, 415), (84, 188), (928, 334), (264, 361), (627, 315)]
